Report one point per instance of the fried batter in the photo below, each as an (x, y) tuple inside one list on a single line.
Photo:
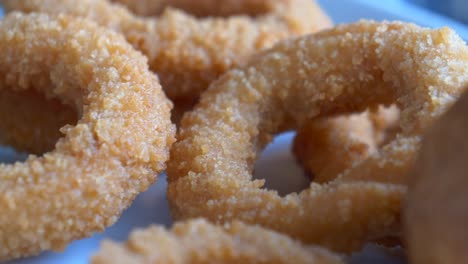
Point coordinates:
[(326, 147), (343, 70), (188, 53), (198, 241), (114, 151)]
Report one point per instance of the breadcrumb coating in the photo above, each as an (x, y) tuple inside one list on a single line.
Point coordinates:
[(116, 149), (198, 241), (328, 146), (188, 53), (346, 69)]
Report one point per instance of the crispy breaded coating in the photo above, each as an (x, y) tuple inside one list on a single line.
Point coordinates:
[(115, 150), (188, 53), (326, 147), (343, 70), (198, 241)]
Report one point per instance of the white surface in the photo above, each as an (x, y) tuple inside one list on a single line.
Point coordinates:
[(151, 207)]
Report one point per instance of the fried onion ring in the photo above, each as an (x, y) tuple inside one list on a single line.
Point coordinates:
[(188, 53), (198, 241), (347, 69), (436, 211), (328, 146), (116, 149)]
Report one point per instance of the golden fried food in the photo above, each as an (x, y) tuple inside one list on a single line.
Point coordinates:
[(328, 146), (343, 70), (113, 152), (198, 241), (188, 53), (436, 210)]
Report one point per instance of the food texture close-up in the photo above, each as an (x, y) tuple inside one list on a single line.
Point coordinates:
[(368, 64), (233, 131), (190, 45)]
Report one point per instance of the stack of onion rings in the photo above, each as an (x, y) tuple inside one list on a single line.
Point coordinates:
[(188, 53), (198, 241), (436, 211), (116, 149), (346, 69)]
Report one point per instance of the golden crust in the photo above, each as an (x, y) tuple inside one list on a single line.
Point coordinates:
[(347, 69), (115, 151), (436, 210), (198, 241), (326, 147), (188, 53)]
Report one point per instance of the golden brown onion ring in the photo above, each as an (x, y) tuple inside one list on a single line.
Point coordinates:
[(347, 69), (116, 149)]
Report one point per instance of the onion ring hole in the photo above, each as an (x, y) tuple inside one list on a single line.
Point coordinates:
[(30, 124), (278, 167)]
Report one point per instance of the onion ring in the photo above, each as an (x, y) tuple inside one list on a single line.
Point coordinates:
[(186, 52), (339, 71), (436, 211), (335, 149), (326, 147), (198, 241), (115, 151)]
